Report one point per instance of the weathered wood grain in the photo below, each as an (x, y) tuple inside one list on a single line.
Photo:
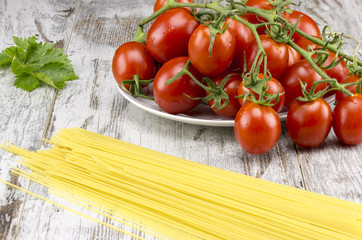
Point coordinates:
[(23, 115), (97, 32), (92, 102)]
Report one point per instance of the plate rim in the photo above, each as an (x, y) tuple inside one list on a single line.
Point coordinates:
[(179, 118), (191, 120)]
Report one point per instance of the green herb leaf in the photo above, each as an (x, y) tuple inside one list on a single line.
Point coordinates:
[(55, 74), (5, 60), (27, 82), (18, 68), (34, 62), (6, 56)]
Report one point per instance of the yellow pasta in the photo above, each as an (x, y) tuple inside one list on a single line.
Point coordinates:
[(181, 199)]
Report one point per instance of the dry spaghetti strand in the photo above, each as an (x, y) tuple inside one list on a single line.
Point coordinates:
[(178, 198)]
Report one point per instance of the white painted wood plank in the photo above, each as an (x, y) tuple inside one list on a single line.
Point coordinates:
[(334, 169), (22, 114), (95, 38)]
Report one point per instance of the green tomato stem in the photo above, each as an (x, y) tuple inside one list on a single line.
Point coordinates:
[(329, 47), (173, 4), (308, 56), (235, 10)]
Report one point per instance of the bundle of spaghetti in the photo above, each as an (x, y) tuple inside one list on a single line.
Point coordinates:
[(178, 198)]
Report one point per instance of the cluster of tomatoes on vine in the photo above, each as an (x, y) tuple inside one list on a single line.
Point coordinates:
[(248, 60)]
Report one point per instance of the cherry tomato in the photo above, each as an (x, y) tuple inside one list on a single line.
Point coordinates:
[(222, 53), (257, 128), (172, 97), (351, 79), (243, 36), (262, 4), (304, 43), (294, 56), (160, 3), (339, 72), (273, 85), (290, 80), (169, 35), (242, 90), (130, 59), (309, 123), (347, 120), (277, 55), (231, 89), (306, 24)]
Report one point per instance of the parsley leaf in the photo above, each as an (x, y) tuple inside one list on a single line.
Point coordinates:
[(34, 63), (7, 56), (26, 81)]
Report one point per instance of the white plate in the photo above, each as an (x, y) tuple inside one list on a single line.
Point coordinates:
[(201, 115)]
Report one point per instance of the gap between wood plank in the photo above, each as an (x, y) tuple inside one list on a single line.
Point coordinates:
[(300, 168), (47, 122)]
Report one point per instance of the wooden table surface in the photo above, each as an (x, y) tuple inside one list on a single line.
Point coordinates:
[(90, 31)]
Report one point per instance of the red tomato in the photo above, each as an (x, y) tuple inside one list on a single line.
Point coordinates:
[(277, 55), (304, 43), (309, 123), (243, 36), (160, 3), (171, 97), (306, 24), (231, 89), (257, 128), (130, 59), (301, 70), (351, 79), (222, 53), (272, 85), (294, 56), (242, 90), (347, 120), (169, 35), (262, 4), (339, 72)]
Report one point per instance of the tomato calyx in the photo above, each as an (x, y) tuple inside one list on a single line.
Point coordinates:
[(333, 85), (140, 35), (136, 87), (215, 28), (185, 70), (217, 93), (258, 86), (353, 67), (310, 96)]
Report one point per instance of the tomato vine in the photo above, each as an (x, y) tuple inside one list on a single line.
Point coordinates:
[(279, 28)]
